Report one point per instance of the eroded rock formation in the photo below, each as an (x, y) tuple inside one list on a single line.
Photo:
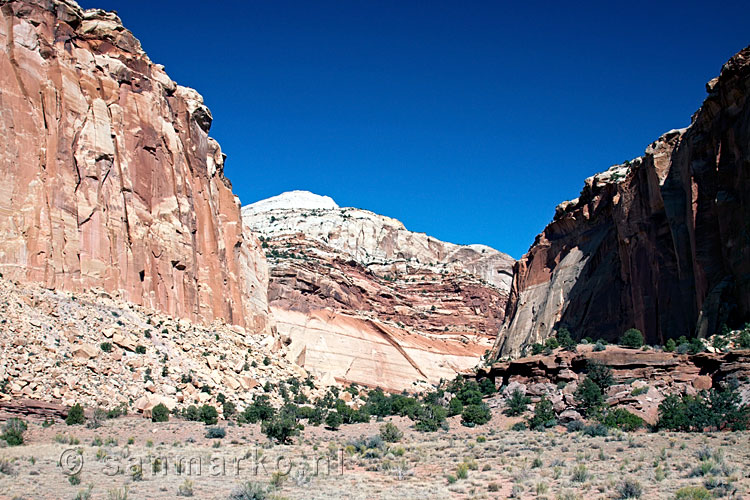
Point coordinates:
[(661, 243), (108, 176), (364, 299)]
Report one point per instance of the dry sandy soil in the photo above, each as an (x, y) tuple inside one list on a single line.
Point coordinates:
[(500, 463)]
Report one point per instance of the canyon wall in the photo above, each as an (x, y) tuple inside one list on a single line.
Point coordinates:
[(108, 177), (661, 243), (362, 299)]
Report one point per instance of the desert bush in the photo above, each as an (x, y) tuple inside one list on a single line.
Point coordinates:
[(208, 415), (600, 374), (580, 474), (185, 489), (430, 418), (544, 415), (599, 346), (632, 338), (475, 415), (575, 426), (589, 397), (160, 413), (462, 471), (106, 346), (390, 433), (260, 409), (75, 415), (595, 430), (629, 488), (693, 493), (565, 339), (622, 419), (334, 420), (715, 409), (13, 431), (455, 407), (216, 433), (281, 427), (517, 403), (249, 491)]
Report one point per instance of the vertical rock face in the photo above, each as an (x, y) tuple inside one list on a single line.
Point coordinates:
[(365, 300), (661, 243), (108, 176)]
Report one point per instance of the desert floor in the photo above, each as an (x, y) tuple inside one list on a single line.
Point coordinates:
[(499, 463)]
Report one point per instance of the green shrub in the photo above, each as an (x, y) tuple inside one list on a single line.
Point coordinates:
[(517, 403), (580, 474), (455, 407), (191, 413), (537, 349), (281, 428), (544, 415), (13, 431), (390, 433), (599, 346), (629, 488), (566, 339), (260, 409), (589, 397), (208, 415), (600, 374), (693, 493), (487, 387), (632, 338), (216, 433), (743, 340), (249, 491), (475, 415), (160, 413), (75, 415), (670, 346), (595, 430), (430, 418), (228, 409), (334, 420), (105, 346), (469, 393), (715, 409), (552, 343), (622, 419), (462, 471), (139, 349)]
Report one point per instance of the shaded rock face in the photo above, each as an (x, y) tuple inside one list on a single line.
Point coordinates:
[(661, 243), (365, 300), (108, 177)]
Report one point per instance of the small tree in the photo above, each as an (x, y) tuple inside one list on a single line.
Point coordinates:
[(455, 407), (632, 338), (334, 420), (670, 346), (487, 387), (517, 403), (566, 340), (160, 413), (589, 397), (390, 433), (209, 415), (13, 431), (475, 415), (544, 415), (281, 427), (75, 415), (430, 418), (600, 374)]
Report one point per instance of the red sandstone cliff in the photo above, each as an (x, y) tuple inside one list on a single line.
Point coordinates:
[(661, 244), (108, 176)]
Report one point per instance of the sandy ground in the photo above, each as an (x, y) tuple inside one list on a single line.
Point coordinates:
[(500, 463)]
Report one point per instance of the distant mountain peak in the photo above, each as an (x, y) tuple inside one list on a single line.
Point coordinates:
[(290, 200)]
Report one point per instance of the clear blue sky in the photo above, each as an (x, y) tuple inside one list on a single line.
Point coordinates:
[(469, 121)]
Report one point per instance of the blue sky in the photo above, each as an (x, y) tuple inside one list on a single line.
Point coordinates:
[(469, 121)]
